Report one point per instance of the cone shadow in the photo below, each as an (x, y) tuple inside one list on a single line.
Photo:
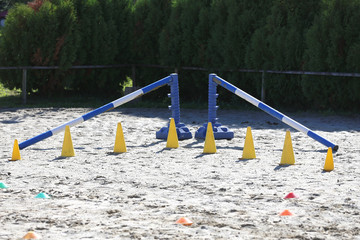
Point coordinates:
[(282, 166), (164, 149), (202, 155), (58, 158), (152, 144), (246, 159), (115, 153)]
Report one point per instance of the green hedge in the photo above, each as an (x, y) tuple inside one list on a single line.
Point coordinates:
[(67, 33), (333, 44), (312, 35), (103, 36), (42, 36)]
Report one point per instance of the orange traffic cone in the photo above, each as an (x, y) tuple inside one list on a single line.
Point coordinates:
[(184, 221), (32, 235), (286, 213)]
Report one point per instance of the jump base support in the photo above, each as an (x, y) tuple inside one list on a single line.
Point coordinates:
[(220, 132), (182, 132)]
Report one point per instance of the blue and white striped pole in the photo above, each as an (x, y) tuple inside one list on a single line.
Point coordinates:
[(97, 111), (285, 119)]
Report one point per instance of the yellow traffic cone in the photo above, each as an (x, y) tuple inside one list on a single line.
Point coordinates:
[(249, 149), (329, 161), (16, 151), (119, 146), (172, 139), (67, 148), (287, 156), (209, 146)]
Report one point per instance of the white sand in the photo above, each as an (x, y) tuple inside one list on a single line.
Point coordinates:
[(140, 194)]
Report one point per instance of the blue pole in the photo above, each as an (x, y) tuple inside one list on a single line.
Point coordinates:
[(273, 112), (220, 132), (175, 101), (212, 108), (182, 131), (97, 111)]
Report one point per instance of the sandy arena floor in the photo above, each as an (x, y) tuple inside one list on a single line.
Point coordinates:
[(140, 194)]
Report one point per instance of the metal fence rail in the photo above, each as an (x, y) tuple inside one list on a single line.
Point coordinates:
[(134, 66)]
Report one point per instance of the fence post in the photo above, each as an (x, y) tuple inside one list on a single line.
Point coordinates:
[(23, 88), (263, 86)]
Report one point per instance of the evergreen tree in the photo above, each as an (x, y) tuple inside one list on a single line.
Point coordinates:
[(98, 41), (216, 44), (149, 18), (41, 33), (216, 34), (332, 44), (7, 4), (279, 45), (244, 18), (170, 39)]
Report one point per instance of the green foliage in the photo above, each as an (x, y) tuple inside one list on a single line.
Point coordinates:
[(14, 45), (4, 5), (7, 4), (217, 20), (41, 36), (5, 92), (244, 18), (170, 41), (98, 46), (333, 45), (149, 18), (220, 35), (183, 42), (122, 13), (280, 44)]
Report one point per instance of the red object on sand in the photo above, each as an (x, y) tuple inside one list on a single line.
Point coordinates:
[(290, 195), (286, 213), (184, 221), (32, 235)]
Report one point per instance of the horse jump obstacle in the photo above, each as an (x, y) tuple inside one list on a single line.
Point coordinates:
[(221, 132), (172, 80)]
